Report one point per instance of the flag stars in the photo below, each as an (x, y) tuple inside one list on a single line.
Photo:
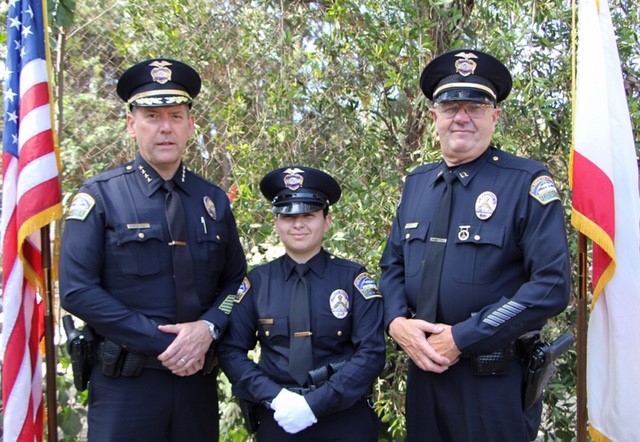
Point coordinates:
[(12, 117), (14, 22), (26, 31), (9, 95)]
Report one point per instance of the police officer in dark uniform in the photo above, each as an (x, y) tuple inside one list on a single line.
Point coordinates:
[(151, 261), (344, 335), (504, 263)]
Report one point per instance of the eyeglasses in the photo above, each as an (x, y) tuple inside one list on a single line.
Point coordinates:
[(450, 109)]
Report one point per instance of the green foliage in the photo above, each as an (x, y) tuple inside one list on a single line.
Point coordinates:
[(331, 84)]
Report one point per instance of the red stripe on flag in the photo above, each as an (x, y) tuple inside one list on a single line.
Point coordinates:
[(34, 97), (593, 193), (39, 198), (35, 147)]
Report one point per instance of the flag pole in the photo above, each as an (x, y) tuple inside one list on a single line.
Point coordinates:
[(581, 296), (581, 344), (50, 348)]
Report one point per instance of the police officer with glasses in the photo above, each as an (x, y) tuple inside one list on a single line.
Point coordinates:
[(476, 261)]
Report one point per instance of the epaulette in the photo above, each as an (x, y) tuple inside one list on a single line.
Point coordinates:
[(507, 160), (111, 173)]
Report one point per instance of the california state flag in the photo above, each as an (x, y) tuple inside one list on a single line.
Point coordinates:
[(606, 208)]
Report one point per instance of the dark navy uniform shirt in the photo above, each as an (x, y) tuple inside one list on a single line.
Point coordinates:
[(116, 270), (346, 324), (506, 265)]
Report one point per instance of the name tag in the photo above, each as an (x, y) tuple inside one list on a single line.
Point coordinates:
[(138, 226)]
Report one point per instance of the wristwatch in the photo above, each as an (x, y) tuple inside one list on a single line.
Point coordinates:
[(215, 332)]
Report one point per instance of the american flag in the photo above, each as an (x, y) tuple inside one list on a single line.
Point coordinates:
[(31, 199)]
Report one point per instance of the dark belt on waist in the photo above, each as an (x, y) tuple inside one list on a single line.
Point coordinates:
[(153, 363), (496, 363), (116, 361), (299, 390)]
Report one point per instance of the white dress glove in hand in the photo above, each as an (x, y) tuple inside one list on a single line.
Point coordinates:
[(292, 412)]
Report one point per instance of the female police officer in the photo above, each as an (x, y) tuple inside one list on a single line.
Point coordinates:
[(338, 336)]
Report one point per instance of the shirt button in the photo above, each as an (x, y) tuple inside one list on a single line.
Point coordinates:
[(267, 333), (339, 333), (407, 236), (140, 235), (476, 237)]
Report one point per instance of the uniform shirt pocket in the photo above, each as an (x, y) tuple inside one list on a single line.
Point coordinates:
[(138, 251), (478, 250), (414, 247), (273, 328), (212, 240), (331, 332)]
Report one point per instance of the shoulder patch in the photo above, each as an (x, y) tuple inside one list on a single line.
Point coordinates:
[(544, 190), (81, 206), (366, 286), (242, 290)]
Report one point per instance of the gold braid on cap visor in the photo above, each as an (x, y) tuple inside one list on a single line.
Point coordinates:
[(161, 96), (481, 87)]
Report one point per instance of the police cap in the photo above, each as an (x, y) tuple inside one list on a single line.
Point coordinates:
[(297, 189), (466, 75), (159, 82)]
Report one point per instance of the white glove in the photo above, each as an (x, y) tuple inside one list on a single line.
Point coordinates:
[(292, 412)]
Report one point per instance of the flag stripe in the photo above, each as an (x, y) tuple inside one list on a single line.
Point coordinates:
[(593, 206)]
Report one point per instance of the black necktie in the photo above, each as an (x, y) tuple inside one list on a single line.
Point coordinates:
[(437, 243), (187, 301), (300, 353)]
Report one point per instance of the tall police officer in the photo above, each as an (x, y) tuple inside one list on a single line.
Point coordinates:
[(156, 319), (343, 334), (504, 257)]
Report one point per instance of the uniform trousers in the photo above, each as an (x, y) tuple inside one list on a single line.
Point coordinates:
[(358, 423), (458, 406), (155, 406)]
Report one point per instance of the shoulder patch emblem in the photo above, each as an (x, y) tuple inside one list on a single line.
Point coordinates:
[(544, 190), (81, 206), (242, 290), (366, 286)]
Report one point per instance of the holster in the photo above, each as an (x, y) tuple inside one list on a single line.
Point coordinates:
[(210, 360), (250, 413), (80, 344), (540, 367)]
